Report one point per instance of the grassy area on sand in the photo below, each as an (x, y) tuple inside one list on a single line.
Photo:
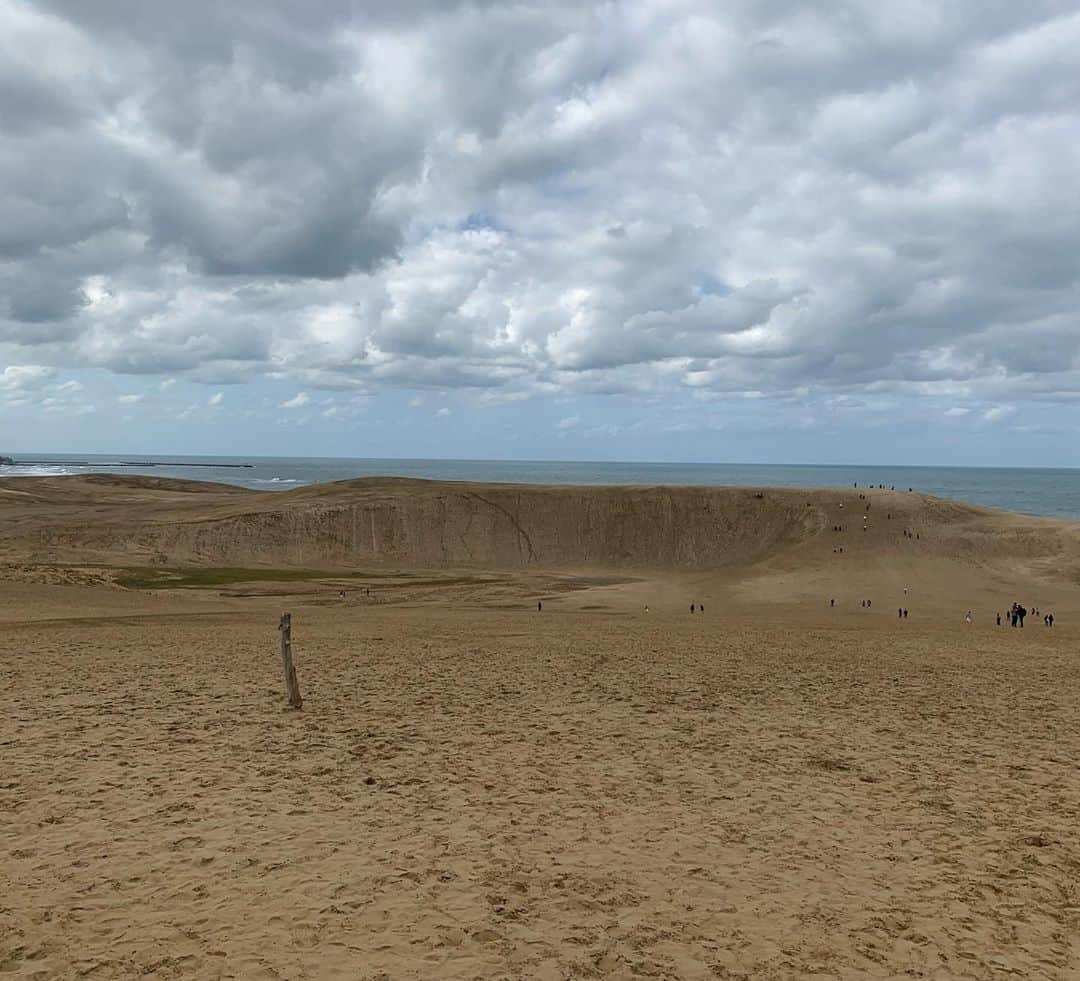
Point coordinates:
[(209, 578)]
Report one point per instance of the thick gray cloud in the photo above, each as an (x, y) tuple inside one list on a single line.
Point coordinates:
[(546, 198)]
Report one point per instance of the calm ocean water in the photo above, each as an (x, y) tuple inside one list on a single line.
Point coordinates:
[(1047, 492)]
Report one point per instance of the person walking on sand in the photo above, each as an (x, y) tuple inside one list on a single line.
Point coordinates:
[(539, 606), (691, 607), (967, 617), (1050, 617), (999, 619), (905, 612), (1021, 613)]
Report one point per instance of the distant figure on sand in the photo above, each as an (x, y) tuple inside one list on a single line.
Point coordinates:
[(905, 612), (691, 607), (539, 606), (967, 617), (999, 619)]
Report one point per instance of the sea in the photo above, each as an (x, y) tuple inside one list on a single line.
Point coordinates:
[(1050, 492)]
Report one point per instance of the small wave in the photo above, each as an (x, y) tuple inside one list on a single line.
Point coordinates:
[(275, 480), (17, 471)]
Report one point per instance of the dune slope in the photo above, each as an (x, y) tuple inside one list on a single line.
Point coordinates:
[(429, 524)]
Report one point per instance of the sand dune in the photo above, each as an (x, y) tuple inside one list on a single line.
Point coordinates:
[(429, 524), (777, 788), (500, 794)]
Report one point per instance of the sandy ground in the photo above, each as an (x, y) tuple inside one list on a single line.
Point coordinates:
[(483, 791)]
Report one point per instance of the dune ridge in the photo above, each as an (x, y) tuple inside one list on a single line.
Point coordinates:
[(436, 524)]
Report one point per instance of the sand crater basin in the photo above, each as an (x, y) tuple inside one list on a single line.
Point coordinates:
[(772, 788)]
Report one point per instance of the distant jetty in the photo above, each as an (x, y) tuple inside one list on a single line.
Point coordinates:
[(7, 461)]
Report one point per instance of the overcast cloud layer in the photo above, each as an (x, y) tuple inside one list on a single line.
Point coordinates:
[(637, 218)]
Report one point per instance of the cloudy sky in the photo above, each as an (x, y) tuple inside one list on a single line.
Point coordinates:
[(756, 230)]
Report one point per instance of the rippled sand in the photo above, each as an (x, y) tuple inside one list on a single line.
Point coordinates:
[(476, 790)]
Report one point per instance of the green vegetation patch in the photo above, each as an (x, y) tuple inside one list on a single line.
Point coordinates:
[(211, 578)]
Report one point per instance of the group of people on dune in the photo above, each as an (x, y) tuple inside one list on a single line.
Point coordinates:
[(1017, 613)]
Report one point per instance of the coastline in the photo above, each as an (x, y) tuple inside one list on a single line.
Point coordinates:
[(1033, 491)]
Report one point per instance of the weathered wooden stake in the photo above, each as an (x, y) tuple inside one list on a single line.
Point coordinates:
[(292, 686)]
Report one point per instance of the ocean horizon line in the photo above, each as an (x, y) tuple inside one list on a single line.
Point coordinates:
[(117, 458)]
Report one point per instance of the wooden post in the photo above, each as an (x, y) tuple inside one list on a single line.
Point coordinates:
[(292, 686)]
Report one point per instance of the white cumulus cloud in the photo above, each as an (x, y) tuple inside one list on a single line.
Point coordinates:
[(520, 200)]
